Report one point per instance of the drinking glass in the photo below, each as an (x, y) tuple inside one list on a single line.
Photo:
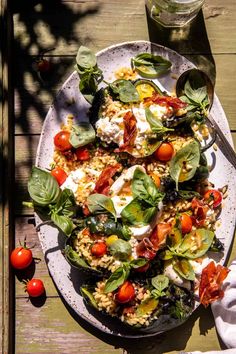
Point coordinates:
[(173, 13)]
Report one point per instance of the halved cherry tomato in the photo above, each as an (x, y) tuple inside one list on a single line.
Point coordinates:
[(126, 293), (156, 179), (61, 140), (186, 223), (215, 195), (82, 154), (59, 174), (98, 249), (35, 287), (164, 153), (21, 257)]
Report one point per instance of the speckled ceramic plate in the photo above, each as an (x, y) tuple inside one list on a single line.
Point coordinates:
[(68, 279)]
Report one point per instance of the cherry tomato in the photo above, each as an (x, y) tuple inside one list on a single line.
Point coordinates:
[(59, 174), (186, 223), (164, 153), (82, 154), (98, 249), (126, 293), (21, 257), (61, 140), (156, 179), (35, 287), (215, 195), (43, 65)]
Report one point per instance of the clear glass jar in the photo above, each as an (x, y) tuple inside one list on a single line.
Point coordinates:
[(173, 13)]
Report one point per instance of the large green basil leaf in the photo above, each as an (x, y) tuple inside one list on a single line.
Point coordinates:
[(183, 268), (143, 187), (196, 244), (82, 134), (121, 249), (125, 91), (185, 163), (107, 227), (43, 187), (85, 58), (155, 124), (160, 282), (138, 262), (65, 203), (63, 222), (88, 295), (138, 213), (117, 278), (149, 65), (147, 307), (74, 258), (100, 203)]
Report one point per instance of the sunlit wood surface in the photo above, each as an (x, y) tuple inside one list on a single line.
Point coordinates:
[(210, 42)]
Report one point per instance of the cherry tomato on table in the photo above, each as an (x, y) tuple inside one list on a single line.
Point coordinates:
[(59, 174), (186, 223), (21, 257), (82, 153), (35, 287), (61, 140), (215, 195), (98, 249), (126, 293), (164, 152)]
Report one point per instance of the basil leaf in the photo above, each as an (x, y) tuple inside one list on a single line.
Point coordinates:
[(63, 222), (155, 124), (82, 134), (149, 65), (65, 203), (196, 244), (107, 227), (121, 249), (117, 278), (125, 91), (146, 307), (138, 262), (188, 194), (138, 213), (74, 258), (43, 187), (184, 164), (184, 268), (85, 58), (98, 203), (87, 294), (144, 188), (160, 282)]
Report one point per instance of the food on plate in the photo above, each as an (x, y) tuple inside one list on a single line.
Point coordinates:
[(131, 189)]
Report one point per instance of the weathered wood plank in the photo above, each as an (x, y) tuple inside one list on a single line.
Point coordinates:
[(50, 329), (83, 23), (6, 183)]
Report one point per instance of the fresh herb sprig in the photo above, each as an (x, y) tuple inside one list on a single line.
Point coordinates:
[(89, 73), (47, 197), (150, 66)]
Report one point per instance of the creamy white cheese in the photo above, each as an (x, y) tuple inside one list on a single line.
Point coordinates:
[(175, 277), (73, 179)]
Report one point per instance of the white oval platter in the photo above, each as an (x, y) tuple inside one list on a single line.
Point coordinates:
[(67, 279)]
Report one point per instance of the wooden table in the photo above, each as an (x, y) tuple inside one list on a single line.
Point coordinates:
[(210, 42)]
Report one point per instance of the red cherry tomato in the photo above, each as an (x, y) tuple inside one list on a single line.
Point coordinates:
[(82, 154), (164, 153), (43, 65), (61, 140), (186, 223), (21, 257), (126, 293), (215, 195), (35, 287), (59, 174), (98, 249)]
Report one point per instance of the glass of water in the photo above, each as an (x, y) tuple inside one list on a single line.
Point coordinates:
[(173, 13)]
